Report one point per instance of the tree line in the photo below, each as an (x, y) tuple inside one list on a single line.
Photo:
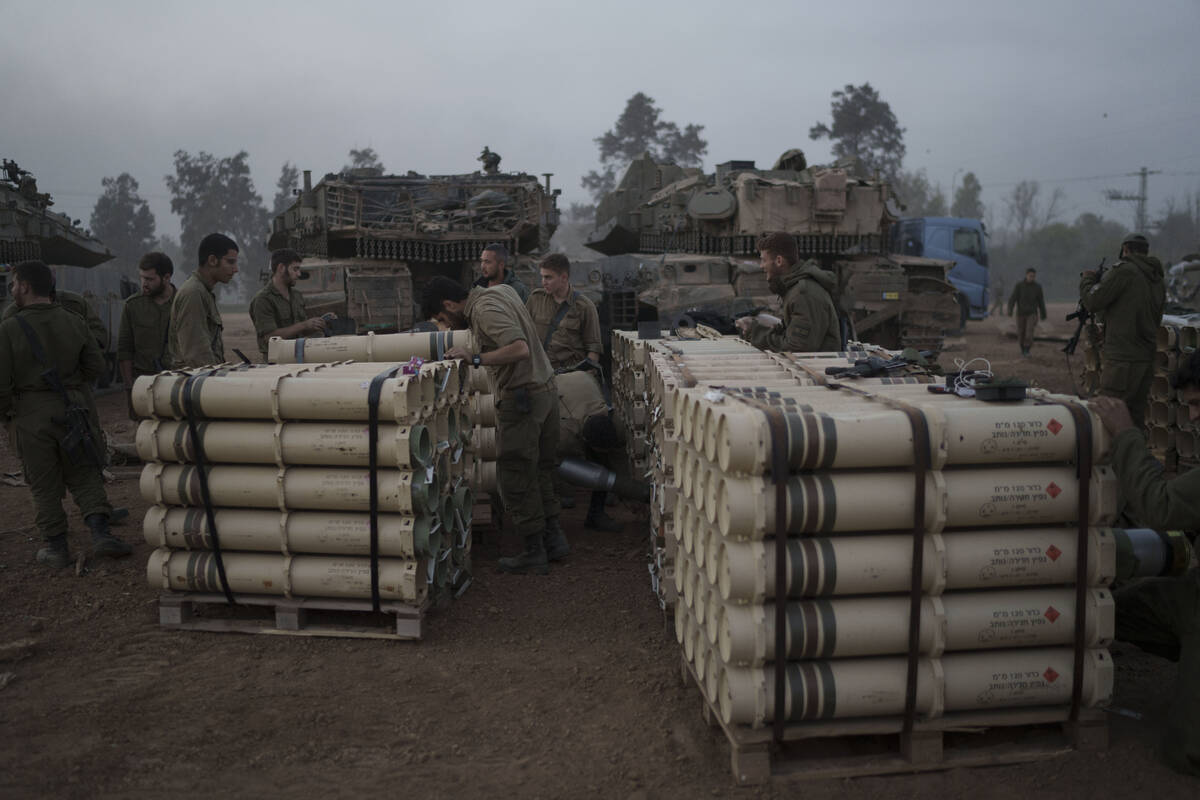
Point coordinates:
[(209, 194), (1026, 226)]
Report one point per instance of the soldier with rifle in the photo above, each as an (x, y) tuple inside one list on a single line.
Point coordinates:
[(1129, 297), (47, 356)]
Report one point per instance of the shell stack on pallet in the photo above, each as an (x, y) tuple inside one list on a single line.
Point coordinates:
[(483, 448), (664, 365), (1171, 434), (287, 450), (999, 540)]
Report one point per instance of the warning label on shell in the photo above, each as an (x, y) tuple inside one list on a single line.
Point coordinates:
[(1031, 439), (1015, 625)]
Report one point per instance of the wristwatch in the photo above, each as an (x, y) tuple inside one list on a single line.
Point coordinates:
[(477, 360)]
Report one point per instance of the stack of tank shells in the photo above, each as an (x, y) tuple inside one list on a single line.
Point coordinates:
[(1173, 437), (1091, 340), (287, 449), (1000, 540), (662, 366)]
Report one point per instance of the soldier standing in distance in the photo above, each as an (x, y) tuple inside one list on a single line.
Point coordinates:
[(1129, 299), (278, 308), (810, 320), (493, 263), (526, 409), (58, 442), (145, 321), (1027, 297), (195, 328)]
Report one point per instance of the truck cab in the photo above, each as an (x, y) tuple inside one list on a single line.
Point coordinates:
[(963, 241)]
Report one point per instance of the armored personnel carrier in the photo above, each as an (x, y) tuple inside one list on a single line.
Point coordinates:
[(372, 242), (699, 232)]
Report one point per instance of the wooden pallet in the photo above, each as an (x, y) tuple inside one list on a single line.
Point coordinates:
[(282, 616), (877, 746)]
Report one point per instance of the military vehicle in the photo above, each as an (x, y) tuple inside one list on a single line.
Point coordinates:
[(685, 237), (371, 242), (1183, 283), (30, 230)]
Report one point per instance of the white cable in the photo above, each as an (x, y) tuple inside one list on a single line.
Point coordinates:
[(964, 385)]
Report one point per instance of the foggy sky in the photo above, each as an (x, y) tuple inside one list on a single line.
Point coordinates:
[(1012, 92)]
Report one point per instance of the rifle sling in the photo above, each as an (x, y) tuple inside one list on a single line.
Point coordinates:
[(563, 308), (51, 376)]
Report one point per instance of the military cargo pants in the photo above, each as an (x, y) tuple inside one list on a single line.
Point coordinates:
[(50, 471), (1162, 616), (1026, 324), (528, 458), (1130, 381)]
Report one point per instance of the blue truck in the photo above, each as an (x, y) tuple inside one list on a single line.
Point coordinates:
[(963, 241)]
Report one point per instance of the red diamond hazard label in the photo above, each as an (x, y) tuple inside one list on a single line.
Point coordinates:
[(1050, 675), (1053, 490), (1054, 426), (1052, 613), (1053, 552)]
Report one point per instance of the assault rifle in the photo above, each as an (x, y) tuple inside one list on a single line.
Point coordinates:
[(1082, 316)]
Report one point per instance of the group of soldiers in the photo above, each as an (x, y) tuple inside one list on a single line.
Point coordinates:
[(543, 351)]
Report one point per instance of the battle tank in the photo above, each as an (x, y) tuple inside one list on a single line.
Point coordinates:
[(371, 242), (683, 241), (30, 230)]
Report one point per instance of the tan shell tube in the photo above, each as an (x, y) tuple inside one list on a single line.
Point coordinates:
[(960, 433), (291, 531), (483, 409), (483, 476), (287, 576), (333, 444), (282, 397), (847, 627), (486, 443), (827, 502), (875, 687), (430, 346), (877, 564), (287, 489)]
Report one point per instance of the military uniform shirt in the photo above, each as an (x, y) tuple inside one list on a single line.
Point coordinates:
[(579, 397), (195, 332), (1154, 501), (498, 318), (270, 311), (143, 335), (77, 304), (69, 347), (510, 279), (1028, 299), (578, 332)]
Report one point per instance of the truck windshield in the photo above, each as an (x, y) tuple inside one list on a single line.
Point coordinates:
[(967, 242)]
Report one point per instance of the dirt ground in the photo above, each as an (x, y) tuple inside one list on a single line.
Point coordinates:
[(556, 686)]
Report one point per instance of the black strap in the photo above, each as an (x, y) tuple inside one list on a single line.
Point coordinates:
[(54, 381), (189, 410), (373, 393), (1083, 462), (922, 461), (563, 308)]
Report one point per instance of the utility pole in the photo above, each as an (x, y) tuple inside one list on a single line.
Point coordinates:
[(1139, 223)]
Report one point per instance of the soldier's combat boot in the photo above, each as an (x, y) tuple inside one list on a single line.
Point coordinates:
[(55, 554), (555, 540), (531, 559), (597, 518), (103, 542)]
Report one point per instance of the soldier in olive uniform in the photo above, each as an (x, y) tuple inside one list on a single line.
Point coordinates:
[(194, 338), (493, 264), (810, 319), (59, 449), (1162, 615), (586, 431), (278, 308), (526, 408), (1130, 300), (1028, 298), (145, 319), (566, 321)]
